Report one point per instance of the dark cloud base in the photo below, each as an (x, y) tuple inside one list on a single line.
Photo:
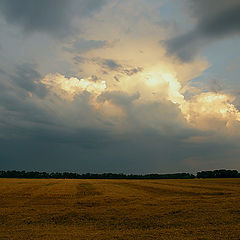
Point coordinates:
[(97, 151)]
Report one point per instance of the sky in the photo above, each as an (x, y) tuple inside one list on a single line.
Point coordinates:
[(140, 86)]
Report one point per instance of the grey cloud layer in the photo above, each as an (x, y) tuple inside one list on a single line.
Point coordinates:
[(216, 19), (28, 78), (82, 46), (49, 133), (52, 16)]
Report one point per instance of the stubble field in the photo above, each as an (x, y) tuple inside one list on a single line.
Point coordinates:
[(120, 209)]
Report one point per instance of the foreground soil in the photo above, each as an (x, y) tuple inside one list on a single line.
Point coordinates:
[(120, 209)]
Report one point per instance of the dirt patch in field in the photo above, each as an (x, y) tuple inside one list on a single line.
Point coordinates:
[(86, 189)]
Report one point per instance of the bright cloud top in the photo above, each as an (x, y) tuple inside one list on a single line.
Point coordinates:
[(207, 110), (68, 88)]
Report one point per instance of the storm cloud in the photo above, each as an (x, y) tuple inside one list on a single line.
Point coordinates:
[(54, 17), (28, 78), (216, 20), (85, 86)]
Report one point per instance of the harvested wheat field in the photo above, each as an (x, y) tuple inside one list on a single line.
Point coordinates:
[(120, 209)]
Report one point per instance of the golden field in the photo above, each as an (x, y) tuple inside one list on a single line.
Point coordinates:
[(198, 209)]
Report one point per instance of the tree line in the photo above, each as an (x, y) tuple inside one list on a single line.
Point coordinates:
[(222, 173), (69, 175)]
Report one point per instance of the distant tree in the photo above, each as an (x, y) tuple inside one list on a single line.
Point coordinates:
[(222, 173)]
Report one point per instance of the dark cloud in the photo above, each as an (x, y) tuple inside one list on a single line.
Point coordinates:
[(78, 59), (47, 149), (55, 135), (131, 153), (34, 137), (42, 131), (82, 45), (132, 71), (116, 78), (2, 71), (185, 46), (163, 117), (51, 16), (91, 150), (28, 78), (216, 19), (113, 65), (52, 134)]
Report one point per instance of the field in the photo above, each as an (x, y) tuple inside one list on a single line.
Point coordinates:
[(120, 209)]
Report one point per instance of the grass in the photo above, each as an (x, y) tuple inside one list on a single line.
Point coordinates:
[(199, 209)]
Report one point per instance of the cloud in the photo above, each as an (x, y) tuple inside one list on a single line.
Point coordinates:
[(2, 71), (212, 111), (55, 134), (68, 88), (83, 46), (215, 20), (54, 17), (111, 64), (28, 78), (78, 60), (122, 107), (119, 98), (95, 137)]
